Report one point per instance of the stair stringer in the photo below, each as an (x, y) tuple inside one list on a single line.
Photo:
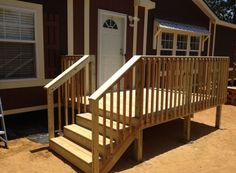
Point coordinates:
[(108, 165)]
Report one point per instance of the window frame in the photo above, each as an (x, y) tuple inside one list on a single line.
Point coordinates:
[(39, 80), (175, 49)]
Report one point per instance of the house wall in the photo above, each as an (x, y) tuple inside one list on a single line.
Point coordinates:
[(225, 44), (182, 11), (52, 55), (16, 98)]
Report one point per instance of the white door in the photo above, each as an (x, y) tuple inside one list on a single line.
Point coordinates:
[(111, 44)]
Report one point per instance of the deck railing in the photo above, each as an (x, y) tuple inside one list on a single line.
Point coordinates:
[(68, 91), (150, 90)]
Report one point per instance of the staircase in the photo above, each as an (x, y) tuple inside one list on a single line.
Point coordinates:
[(76, 144), (92, 129), (90, 134)]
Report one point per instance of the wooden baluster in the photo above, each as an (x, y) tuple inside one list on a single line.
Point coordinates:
[(92, 72), (176, 86), (184, 87), (66, 103), (214, 82), (152, 91), (171, 75), (104, 125), (147, 91), (85, 89), (78, 92), (167, 80), (130, 99), (59, 110), (187, 86), (204, 82), (199, 93), (111, 120), (124, 107), (118, 110), (82, 88), (191, 93), (158, 70), (180, 100), (163, 63), (195, 62), (73, 100)]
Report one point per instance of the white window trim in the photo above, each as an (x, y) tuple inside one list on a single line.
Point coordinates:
[(177, 32), (39, 48)]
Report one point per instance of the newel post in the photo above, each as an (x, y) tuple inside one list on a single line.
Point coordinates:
[(139, 82), (51, 130), (95, 133)]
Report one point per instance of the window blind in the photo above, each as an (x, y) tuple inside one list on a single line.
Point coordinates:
[(17, 44), (16, 25)]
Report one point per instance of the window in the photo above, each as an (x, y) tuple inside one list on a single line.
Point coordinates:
[(182, 41), (17, 44), (194, 45), (179, 44), (109, 23), (167, 43)]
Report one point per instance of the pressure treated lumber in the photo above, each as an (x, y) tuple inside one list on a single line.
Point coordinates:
[(74, 153)]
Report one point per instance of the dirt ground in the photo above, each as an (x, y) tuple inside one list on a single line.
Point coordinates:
[(210, 151)]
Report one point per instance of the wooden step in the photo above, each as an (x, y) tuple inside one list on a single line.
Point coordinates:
[(85, 119), (83, 137), (72, 152)]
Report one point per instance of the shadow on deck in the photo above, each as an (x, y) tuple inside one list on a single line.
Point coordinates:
[(162, 138)]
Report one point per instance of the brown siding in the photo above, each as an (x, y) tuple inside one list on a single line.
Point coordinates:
[(23, 97), (141, 12), (184, 11), (151, 18), (225, 42), (79, 27), (51, 9)]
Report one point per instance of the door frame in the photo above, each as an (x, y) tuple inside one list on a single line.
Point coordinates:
[(115, 14)]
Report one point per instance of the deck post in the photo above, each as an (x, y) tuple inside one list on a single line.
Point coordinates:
[(139, 80), (95, 133), (218, 116), (187, 127), (51, 130), (138, 146)]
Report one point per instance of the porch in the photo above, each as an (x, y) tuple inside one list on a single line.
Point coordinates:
[(148, 90)]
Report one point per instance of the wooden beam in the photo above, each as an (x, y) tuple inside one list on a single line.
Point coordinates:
[(187, 128), (218, 116), (138, 146)]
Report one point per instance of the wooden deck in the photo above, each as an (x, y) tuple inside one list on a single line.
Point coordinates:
[(146, 91)]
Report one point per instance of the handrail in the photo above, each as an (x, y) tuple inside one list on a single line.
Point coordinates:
[(69, 91), (64, 76), (116, 76)]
